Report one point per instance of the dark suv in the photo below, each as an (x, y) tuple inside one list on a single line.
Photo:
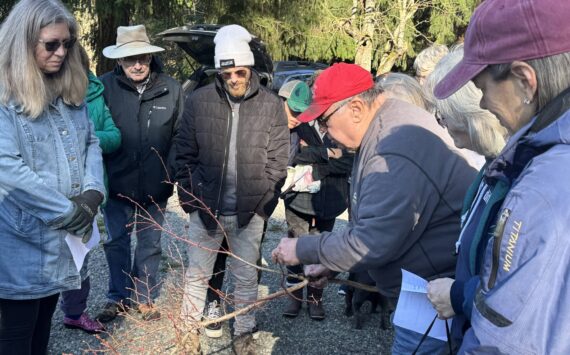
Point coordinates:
[(198, 42), (286, 71)]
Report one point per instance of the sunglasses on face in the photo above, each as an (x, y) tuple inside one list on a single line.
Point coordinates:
[(227, 75), (144, 59), (53, 46), (324, 119)]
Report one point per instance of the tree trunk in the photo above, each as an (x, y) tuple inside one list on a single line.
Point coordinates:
[(109, 17), (365, 42)]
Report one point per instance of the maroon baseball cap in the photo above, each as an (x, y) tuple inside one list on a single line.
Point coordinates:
[(335, 84), (502, 31)]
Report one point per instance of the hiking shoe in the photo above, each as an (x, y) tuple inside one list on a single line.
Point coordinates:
[(84, 323), (110, 311), (148, 311), (213, 311), (244, 344)]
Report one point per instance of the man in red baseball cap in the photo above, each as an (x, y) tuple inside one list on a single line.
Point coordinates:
[(408, 183)]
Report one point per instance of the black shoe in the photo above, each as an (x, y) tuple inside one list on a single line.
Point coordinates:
[(244, 344), (110, 311), (213, 311)]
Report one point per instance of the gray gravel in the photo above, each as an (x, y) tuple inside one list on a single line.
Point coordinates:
[(277, 335)]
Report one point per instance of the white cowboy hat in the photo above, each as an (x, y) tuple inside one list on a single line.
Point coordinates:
[(131, 40)]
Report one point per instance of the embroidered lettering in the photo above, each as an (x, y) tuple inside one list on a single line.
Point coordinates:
[(513, 238), (159, 107)]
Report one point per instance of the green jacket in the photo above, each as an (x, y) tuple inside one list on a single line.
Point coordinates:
[(105, 129)]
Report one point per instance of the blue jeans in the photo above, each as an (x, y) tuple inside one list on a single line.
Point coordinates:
[(203, 246), (139, 276), (406, 341)]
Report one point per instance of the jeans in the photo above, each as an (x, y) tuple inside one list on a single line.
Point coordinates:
[(302, 224), (406, 341), (25, 325), (140, 275), (203, 246)]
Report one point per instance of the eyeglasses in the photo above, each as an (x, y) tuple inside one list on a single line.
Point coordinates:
[(53, 46), (143, 59), (324, 119), (227, 75), (440, 119)]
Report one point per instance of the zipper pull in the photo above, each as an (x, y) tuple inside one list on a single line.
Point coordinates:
[(497, 238)]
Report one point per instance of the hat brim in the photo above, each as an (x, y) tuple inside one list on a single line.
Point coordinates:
[(313, 112), (114, 52), (460, 75)]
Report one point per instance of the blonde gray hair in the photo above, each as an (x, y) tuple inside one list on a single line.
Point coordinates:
[(21, 80), (426, 61), (462, 110), (403, 87)]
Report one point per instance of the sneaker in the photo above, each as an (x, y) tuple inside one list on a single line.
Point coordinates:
[(213, 311), (148, 311), (84, 323), (244, 344), (110, 311)]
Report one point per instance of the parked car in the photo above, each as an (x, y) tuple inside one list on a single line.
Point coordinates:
[(286, 71), (198, 42)]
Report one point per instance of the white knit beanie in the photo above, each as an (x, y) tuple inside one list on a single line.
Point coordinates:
[(232, 47)]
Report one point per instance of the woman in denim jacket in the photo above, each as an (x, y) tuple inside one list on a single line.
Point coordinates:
[(51, 172)]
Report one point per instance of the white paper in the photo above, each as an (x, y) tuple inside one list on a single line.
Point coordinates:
[(80, 250), (414, 311)]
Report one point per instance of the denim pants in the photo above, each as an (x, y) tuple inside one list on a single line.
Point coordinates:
[(203, 246), (406, 341), (25, 325), (139, 276)]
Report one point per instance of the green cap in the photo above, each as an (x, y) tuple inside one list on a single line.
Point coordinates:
[(298, 95)]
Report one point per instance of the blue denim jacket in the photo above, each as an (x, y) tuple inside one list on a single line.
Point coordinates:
[(43, 162)]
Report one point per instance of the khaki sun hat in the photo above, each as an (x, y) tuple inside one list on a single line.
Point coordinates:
[(131, 40)]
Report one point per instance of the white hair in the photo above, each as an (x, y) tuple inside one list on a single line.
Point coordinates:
[(462, 110), (403, 87), (426, 61)]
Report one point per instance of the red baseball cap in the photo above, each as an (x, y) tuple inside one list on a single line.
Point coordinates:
[(335, 84), (502, 31)]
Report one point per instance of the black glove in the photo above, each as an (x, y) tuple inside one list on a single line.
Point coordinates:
[(85, 208)]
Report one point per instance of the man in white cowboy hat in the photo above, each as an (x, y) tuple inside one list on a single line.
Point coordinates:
[(145, 104), (232, 148)]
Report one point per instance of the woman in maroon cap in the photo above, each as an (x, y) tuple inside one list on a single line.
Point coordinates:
[(518, 53)]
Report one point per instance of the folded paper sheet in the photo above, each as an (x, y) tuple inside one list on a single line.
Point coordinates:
[(414, 311), (80, 250)]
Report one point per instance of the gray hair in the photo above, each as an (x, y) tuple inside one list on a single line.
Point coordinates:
[(462, 111), (426, 61), (551, 75), (21, 81), (403, 87)]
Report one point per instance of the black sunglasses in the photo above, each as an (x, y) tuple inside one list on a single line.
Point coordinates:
[(53, 46), (324, 119)]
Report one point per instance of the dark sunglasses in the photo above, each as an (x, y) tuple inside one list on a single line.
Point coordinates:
[(227, 75), (53, 46), (324, 119), (143, 59)]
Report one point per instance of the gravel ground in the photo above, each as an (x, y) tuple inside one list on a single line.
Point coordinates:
[(277, 335)]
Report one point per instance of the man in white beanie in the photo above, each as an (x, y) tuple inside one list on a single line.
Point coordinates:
[(232, 149), (145, 105)]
